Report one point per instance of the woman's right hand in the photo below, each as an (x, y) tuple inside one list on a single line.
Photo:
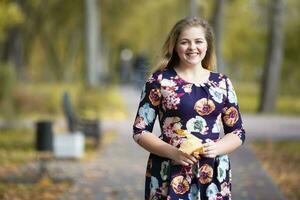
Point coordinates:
[(181, 158)]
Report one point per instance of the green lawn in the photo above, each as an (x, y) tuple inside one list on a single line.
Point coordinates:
[(248, 98), (44, 101)]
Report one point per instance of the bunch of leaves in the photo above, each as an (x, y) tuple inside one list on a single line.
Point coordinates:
[(44, 189)]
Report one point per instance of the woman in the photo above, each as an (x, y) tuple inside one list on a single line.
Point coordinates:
[(189, 98)]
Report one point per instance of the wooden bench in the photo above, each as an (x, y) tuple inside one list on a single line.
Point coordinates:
[(89, 127)]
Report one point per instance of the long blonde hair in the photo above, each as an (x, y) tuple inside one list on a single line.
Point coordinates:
[(169, 56)]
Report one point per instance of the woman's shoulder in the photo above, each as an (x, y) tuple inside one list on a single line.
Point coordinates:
[(160, 74), (221, 79), (217, 76)]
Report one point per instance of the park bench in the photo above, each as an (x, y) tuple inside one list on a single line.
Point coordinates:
[(89, 127)]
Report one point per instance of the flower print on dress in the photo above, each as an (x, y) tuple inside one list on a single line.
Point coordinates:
[(222, 85), (171, 99), (218, 196), (222, 168), (204, 106), (180, 185), (217, 125), (179, 137), (194, 193), (139, 122), (155, 96), (187, 88), (147, 113), (170, 125), (168, 85), (206, 174), (176, 140), (197, 124), (164, 170), (232, 98), (231, 116), (188, 172), (180, 95), (239, 133), (143, 92), (153, 186), (160, 192), (164, 189), (211, 191), (217, 93), (154, 78), (216, 128), (225, 190)]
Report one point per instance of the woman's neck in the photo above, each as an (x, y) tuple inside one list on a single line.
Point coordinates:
[(192, 71)]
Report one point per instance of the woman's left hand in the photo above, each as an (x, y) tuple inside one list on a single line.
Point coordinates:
[(210, 149)]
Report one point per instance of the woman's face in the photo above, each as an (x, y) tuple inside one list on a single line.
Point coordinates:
[(191, 46)]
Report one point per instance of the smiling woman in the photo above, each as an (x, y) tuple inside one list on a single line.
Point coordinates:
[(190, 100), (191, 46)]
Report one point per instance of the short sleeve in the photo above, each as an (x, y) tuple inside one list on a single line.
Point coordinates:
[(148, 106), (231, 116)]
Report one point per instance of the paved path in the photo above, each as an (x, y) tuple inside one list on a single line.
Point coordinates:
[(117, 173), (271, 127)]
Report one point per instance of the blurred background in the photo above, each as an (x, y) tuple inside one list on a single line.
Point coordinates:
[(92, 49)]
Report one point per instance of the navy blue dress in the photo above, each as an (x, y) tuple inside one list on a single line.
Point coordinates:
[(199, 109)]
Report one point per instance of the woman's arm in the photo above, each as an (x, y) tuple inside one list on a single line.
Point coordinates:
[(153, 144), (225, 145), (232, 124)]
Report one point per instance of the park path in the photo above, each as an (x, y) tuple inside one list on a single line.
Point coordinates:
[(117, 172)]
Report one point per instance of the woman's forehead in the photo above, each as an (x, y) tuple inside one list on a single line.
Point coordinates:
[(192, 33)]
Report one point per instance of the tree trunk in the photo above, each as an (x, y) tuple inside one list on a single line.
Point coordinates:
[(271, 75), (193, 8), (218, 30), (92, 48)]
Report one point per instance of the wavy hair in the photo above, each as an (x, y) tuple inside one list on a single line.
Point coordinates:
[(169, 56)]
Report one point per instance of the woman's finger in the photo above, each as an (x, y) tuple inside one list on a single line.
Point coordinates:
[(192, 158)]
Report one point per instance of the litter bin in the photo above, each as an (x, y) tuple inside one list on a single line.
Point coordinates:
[(44, 136)]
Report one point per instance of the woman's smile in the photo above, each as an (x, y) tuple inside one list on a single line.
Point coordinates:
[(191, 46)]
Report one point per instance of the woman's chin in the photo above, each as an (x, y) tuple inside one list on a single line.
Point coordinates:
[(193, 62)]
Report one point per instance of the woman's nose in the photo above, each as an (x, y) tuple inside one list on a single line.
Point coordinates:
[(192, 45)]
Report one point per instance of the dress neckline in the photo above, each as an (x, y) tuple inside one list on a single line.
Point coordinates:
[(188, 82)]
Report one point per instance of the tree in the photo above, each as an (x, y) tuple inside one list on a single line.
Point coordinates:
[(92, 42), (218, 30), (193, 8), (271, 75), (11, 50)]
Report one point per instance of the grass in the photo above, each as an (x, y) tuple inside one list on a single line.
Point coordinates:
[(44, 101), (16, 147), (282, 160), (248, 98)]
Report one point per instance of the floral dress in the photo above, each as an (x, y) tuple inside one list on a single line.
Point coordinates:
[(199, 109)]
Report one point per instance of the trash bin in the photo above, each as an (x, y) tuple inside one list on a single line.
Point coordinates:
[(44, 136)]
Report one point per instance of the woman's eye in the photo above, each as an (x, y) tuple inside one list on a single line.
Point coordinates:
[(199, 42)]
